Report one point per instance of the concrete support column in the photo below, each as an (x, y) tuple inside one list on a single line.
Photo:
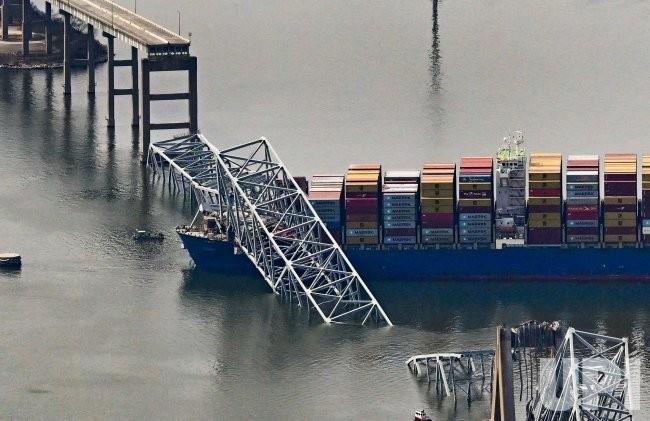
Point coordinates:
[(146, 106), (110, 121), (48, 27), (6, 18), (91, 60), (135, 93), (27, 25), (67, 54), (193, 100)]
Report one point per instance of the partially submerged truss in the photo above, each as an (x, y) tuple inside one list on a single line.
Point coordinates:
[(468, 372), (273, 223), (587, 380)]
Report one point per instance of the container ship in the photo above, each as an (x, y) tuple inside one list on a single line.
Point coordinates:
[(512, 217)]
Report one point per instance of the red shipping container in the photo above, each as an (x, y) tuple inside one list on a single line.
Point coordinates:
[(583, 231), (361, 205), (582, 212), (620, 208), (400, 231), (620, 188), (620, 230), (621, 177), (439, 219), (545, 192), (544, 208)]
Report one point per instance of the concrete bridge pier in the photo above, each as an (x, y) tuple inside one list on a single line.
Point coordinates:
[(91, 60), (6, 18), (48, 27), (133, 91), (168, 63), (67, 53), (26, 25)]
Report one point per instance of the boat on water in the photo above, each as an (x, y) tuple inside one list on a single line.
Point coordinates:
[(10, 260), (421, 416), (525, 218), (142, 235)]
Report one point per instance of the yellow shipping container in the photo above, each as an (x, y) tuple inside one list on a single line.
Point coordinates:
[(620, 200), (544, 184), (360, 188), (613, 223), (362, 240), (437, 209), (475, 186), (544, 201), (545, 223), (543, 176), (544, 217), (425, 201), (620, 215), (447, 193), (368, 225), (620, 238), (474, 202)]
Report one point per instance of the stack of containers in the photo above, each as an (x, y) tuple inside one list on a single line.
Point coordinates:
[(645, 199), (399, 206), (545, 199), (438, 203), (325, 197), (620, 198), (475, 200), (362, 186), (583, 199)]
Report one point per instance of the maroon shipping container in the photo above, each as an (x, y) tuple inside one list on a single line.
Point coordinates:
[(361, 205), (475, 194), (475, 209), (361, 195), (620, 188), (544, 208), (544, 235), (645, 194), (583, 231), (620, 230), (302, 183), (435, 220), (400, 231), (646, 238), (621, 177), (620, 208), (582, 212), (545, 192)]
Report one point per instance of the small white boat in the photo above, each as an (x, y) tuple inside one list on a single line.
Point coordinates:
[(421, 416)]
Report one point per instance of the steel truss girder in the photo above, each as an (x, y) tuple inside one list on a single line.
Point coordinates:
[(273, 223), (455, 372), (587, 380)]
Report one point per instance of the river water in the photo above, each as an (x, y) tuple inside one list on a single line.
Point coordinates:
[(95, 326)]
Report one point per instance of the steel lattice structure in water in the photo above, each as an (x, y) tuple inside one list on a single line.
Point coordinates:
[(587, 380), (272, 221)]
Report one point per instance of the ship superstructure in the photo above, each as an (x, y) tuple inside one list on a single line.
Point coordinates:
[(510, 215)]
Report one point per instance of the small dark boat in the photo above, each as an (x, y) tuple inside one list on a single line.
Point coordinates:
[(421, 416), (10, 260), (142, 235)]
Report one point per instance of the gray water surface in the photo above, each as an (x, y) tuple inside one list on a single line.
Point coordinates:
[(96, 326)]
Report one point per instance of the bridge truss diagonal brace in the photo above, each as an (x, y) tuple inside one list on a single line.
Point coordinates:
[(273, 223)]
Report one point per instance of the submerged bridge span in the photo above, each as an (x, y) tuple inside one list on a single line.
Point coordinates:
[(256, 198)]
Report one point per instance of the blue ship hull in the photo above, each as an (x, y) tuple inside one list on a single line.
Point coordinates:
[(521, 263)]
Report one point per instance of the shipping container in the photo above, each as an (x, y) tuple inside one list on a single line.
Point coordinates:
[(362, 204), (326, 197), (400, 206), (438, 203), (475, 187), (545, 199), (582, 211), (620, 217)]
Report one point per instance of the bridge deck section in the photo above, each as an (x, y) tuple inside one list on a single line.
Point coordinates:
[(126, 25)]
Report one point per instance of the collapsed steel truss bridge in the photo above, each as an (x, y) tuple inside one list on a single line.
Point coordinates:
[(255, 197)]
